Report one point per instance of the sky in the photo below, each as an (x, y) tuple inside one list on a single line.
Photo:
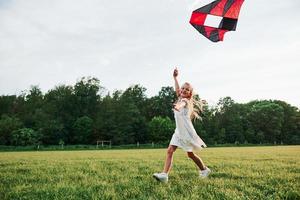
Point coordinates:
[(122, 43)]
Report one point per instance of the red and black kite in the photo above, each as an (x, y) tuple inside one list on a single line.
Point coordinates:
[(227, 9)]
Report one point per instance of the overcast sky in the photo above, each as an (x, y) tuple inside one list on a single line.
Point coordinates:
[(126, 42)]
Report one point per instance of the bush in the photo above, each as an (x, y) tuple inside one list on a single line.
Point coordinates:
[(24, 137)]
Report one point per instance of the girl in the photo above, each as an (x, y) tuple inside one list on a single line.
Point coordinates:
[(185, 135)]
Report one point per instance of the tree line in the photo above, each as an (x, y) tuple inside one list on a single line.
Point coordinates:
[(84, 113)]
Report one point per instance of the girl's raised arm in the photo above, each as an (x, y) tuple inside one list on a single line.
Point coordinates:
[(177, 88)]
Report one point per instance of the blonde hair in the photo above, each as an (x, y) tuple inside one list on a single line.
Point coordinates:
[(195, 105)]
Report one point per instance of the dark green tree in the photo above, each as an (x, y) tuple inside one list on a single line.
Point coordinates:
[(52, 132), (230, 121), (33, 103), (8, 104), (7, 126), (290, 126), (82, 130), (266, 119), (162, 104), (87, 95), (161, 129), (60, 106)]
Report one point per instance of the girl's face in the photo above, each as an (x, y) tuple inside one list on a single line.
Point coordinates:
[(186, 91)]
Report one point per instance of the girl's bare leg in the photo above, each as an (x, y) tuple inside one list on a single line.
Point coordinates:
[(169, 158), (197, 160)]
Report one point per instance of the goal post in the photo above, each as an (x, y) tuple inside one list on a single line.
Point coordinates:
[(103, 143)]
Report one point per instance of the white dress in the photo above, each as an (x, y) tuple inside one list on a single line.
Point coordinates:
[(185, 135)]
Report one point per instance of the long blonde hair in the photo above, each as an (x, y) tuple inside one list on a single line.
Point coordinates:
[(195, 104), (197, 107)]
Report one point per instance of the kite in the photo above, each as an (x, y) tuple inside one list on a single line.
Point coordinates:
[(227, 9)]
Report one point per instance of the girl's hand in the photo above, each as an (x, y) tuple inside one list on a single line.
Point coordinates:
[(175, 106), (175, 73)]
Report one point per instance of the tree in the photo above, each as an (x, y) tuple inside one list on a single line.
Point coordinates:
[(82, 130), (136, 94), (79, 114), (87, 94), (230, 121), (266, 118), (33, 102), (23, 137), (51, 132), (128, 120), (290, 125), (60, 106), (105, 119), (162, 104), (7, 104), (132, 105), (7, 126), (161, 129)]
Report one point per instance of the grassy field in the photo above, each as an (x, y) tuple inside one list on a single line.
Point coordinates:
[(238, 173)]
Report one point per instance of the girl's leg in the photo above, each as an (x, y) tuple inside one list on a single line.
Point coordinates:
[(169, 158), (197, 160)]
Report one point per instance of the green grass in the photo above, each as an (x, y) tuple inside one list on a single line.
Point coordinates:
[(238, 173)]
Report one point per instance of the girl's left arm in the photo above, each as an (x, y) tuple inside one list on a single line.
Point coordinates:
[(179, 105)]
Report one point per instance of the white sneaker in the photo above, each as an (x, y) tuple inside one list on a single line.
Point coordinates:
[(162, 177), (204, 173)]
